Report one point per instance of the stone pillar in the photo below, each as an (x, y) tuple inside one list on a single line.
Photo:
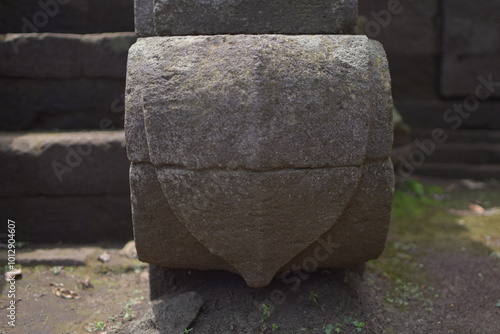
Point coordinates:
[(259, 135)]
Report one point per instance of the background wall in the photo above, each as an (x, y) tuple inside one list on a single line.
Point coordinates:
[(437, 51)]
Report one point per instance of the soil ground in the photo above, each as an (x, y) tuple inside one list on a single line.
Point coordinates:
[(440, 273)]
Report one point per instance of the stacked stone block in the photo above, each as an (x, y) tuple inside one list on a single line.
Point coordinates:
[(252, 151), (63, 68), (62, 81)]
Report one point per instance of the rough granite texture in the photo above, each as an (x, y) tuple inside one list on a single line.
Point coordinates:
[(210, 17), (259, 147), (171, 315)]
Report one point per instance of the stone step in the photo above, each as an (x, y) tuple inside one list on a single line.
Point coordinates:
[(460, 171), (67, 16), (70, 187), (63, 164), (65, 56), (73, 104)]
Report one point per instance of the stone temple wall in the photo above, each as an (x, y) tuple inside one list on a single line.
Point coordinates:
[(437, 50), (62, 82), (62, 69), (444, 58)]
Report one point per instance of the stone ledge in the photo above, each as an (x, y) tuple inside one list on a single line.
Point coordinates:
[(63, 164)]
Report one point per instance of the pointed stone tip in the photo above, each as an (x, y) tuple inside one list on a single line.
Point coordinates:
[(258, 280)]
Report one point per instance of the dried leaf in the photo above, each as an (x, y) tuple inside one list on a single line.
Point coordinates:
[(65, 293)]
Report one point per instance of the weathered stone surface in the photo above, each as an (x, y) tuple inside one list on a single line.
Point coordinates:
[(177, 17), (171, 316), (56, 104), (56, 256), (267, 101), (144, 24), (69, 219), (264, 214), (155, 223), (360, 232), (258, 145), (64, 56), (80, 163)]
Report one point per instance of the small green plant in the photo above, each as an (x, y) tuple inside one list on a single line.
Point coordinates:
[(186, 331), (359, 325), (128, 313), (100, 325), (274, 327), (313, 298), (266, 311), (414, 186), (329, 329)]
